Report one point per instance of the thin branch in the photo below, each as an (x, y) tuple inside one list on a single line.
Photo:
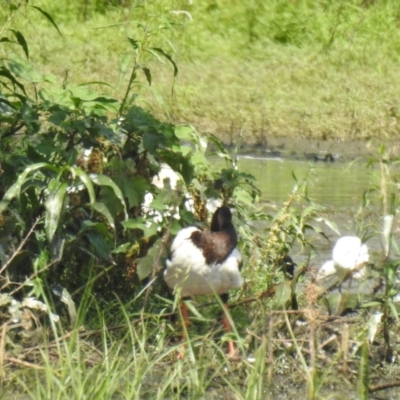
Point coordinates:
[(384, 386), (33, 275), (24, 363), (12, 131), (335, 285), (21, 245)]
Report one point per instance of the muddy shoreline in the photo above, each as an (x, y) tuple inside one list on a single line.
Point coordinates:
[(318, 150)]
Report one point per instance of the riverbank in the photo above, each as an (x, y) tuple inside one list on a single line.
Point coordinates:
[(316, 149)]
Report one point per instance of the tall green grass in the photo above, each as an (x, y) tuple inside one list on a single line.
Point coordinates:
[(133, 361), (320, 69)]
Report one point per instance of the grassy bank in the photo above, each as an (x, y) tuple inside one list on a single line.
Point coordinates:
[(324, 69)]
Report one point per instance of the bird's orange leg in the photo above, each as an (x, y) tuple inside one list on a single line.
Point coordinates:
[(186, 323), (228, 329)]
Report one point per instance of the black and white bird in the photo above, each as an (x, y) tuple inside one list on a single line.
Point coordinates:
[(348, 254), (206, 262)]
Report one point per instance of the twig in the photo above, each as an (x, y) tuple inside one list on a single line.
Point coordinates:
[(24, 363), (21, 245), (384, 386), (290, 340), (335, 285), (264, 294), (327, 341), (33, 275)]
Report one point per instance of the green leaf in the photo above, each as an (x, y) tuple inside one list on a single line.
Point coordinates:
[(330, 224), (103, 180), (137, 223), (123, 248), (145, 264), (66, 298), (134, 43), (103, 99), (147, 72), (15, 189), (84, 177), (57, 117), (149, 229), (48, 16), (167, 56), (96, 83), (151, 141), (282, 295), (198, 158), (99, 227), (371, 304), (102, 209), (7, 74), (23, 69), (242, 196), (100, 246), (185, 150), (134, 189), (222, 149), (186, 133), (54, 206), (21, 41), (175, 227)]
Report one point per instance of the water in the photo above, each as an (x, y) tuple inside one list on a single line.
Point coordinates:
[(330, 184), (337, 187)]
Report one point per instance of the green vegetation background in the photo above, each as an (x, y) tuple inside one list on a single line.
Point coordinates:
[(318, 69)]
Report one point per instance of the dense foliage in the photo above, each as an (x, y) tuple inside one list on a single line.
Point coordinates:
[(76, 167)]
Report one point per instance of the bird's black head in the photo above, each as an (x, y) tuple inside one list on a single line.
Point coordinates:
[(221, 220)]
